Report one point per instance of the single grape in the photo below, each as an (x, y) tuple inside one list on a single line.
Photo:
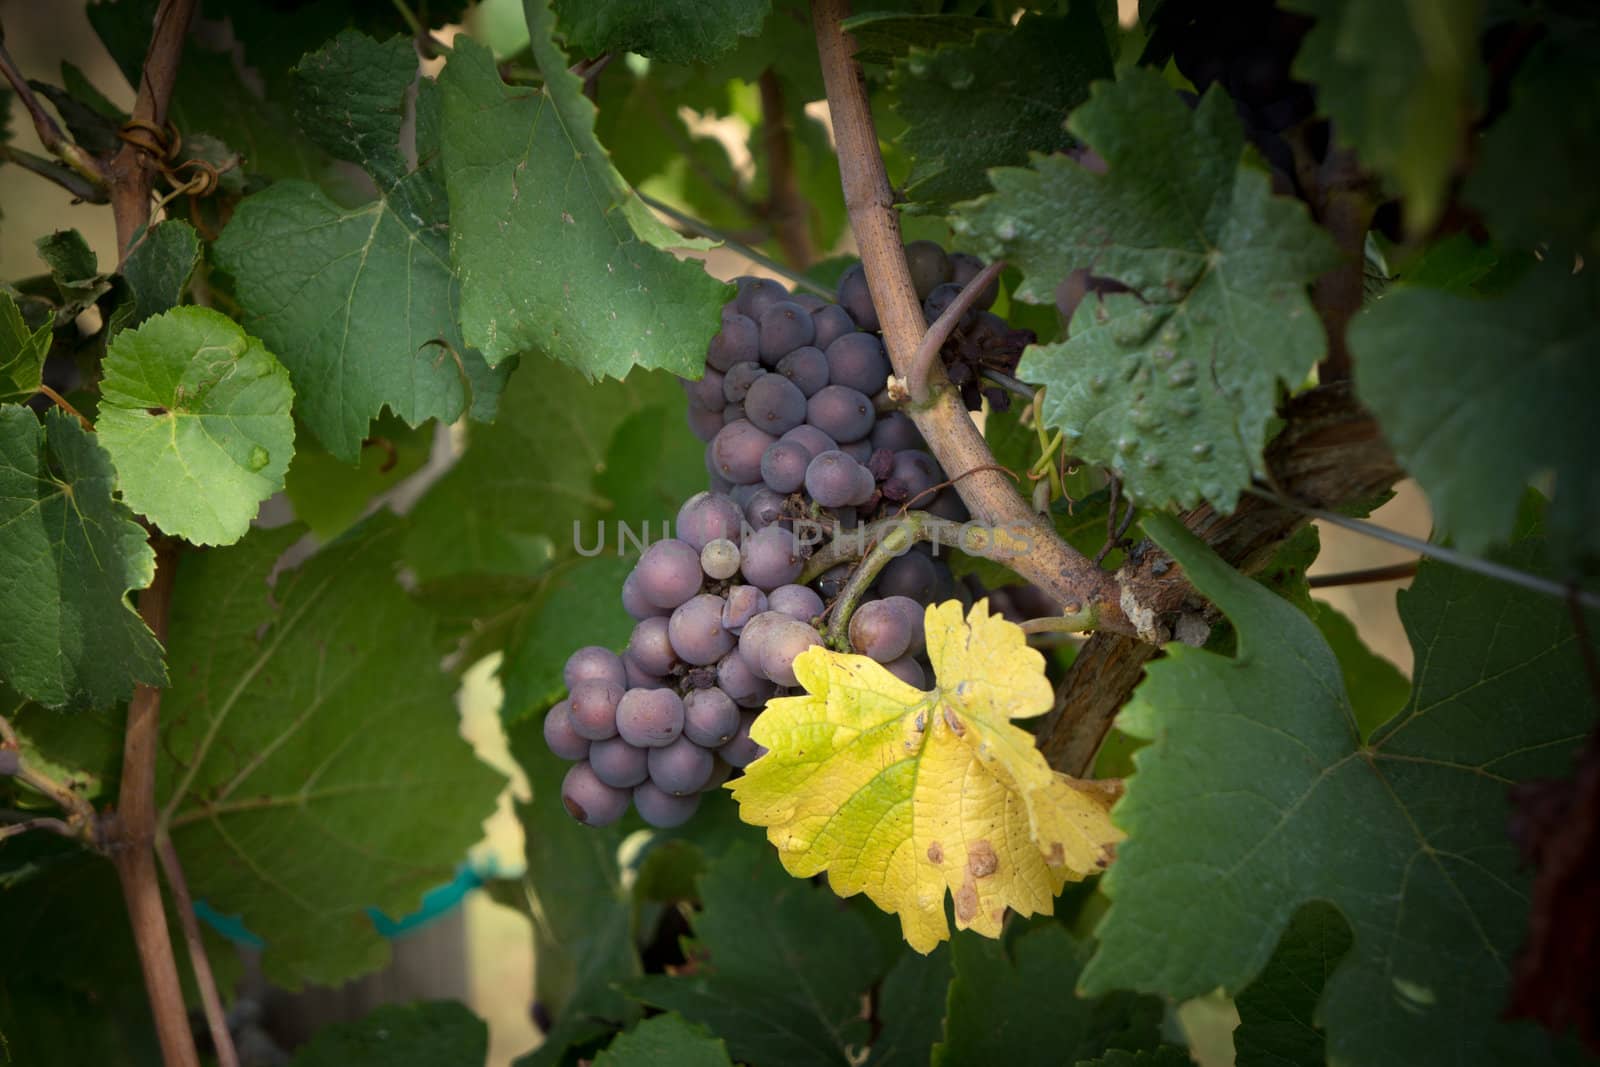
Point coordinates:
[(813, 440), (964, 268), (737, 382), (856, 360), (909, 575), (831, 322), (593, 662), (775, 404), (696, 630), (896, 432), (737, 678), (909, 671), (796, 601), (860, 451), (866, 489), (855, 298), (783, 466), (704, 424), (617, 763), (594, 709), (589, 800), (842, 413), (560, 737), (738, 341), (720, 559), (742, 750), (710, 717), (736, 452), (633, 598), (831, 480), (785, 326), (914, 473), (763, 509), (758, 294), (661, 809), (880, 463), (771, 558), (638, 677), (913, 612), (779, 644), (707, 392), (881, 630), (930, 267), (680, 768), (705, 517), (650, 718), (744, 602), (669, 573), (650, 645), (806, 367), (830, 583)]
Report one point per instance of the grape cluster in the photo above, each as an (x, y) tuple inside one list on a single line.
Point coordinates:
[(802, 442)]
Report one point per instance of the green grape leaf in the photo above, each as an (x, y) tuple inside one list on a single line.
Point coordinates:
[(359, 302), (83, 751), (1376, 687), (1397, 81), (1532, 180), (992, 102), (1009, 1003), (22, 353), (912, 1007), (73, 553), (311, 764), (581, 600), (1171, 385), (583, 917), (554, 251), (156, 272), (1277, 1011), (75, 270), (1479, 397), (883, 36), (672, 33), (439, 1033), (330, 496), (1257, 795), (784, 966), (665, 1041), (194, 413)]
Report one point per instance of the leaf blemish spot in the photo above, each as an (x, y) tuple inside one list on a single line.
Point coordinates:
[(935, 853)]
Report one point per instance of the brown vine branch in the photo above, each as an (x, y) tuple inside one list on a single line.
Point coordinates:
[(55, 141), (785, 208), (1053, 565), (216, 1020), (61, 402), (1395, 572), (927, 353)]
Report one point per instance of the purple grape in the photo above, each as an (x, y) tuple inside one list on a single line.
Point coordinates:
[(964, 268), (881, 629), (910, 575), (720, 559), (831, 582), (856, 360), (559, 735), (775, 404), (707, 392), (660, 808), (842, 413), (744, 603), (941, 298), (783, 466), (764, 509), (881, 463), (669, 573), (651, 646), (855, 298), (680, 768), (710, 717), (589, 800), (617, 763), (796, 601), (737, 678), (633, 600), (810, 301), (860, 451), (896, 432), (915, 472), (930, 267), (705, 517), (813, 440), (696, 630), (650, 718), (742, 750), (593, 662), (736, 452), (704, 424), (914, 614), (738, 341), (784, 327), (909, 671), (771, 558), (758, 294), (832, 481), (832, 322), (737, 382), (779, 643), (806, 367), (638, 677), (594, 709)]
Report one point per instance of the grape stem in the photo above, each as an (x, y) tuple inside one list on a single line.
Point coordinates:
[(216, 1019), (932, 343), (897, 540), (1060, 570), (705, 229), (919, 526)]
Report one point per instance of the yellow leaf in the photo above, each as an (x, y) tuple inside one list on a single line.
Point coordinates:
[(906, 796)]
